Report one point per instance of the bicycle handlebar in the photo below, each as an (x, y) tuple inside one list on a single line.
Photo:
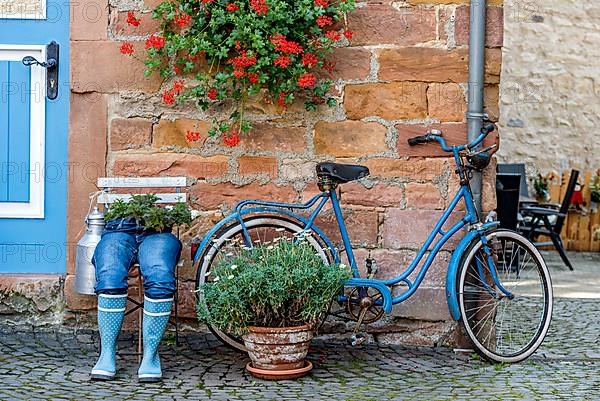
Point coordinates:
[(429, 137)]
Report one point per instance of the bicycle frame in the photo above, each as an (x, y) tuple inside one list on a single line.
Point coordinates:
[(471, 218)]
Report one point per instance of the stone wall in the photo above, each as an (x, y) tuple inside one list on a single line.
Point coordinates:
[(550, 109), (405, 70)]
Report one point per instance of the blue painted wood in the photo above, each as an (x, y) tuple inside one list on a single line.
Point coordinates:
[(18, 133), (4, 79), (39, 245)]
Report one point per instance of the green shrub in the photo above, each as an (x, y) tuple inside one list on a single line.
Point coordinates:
[(283, 284)]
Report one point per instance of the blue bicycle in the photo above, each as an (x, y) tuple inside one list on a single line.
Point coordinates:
[(497, 282)]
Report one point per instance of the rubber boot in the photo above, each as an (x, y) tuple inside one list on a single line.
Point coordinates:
[(111, 310), (156, 317)]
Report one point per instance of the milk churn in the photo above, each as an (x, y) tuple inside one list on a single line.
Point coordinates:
[(85, 272)]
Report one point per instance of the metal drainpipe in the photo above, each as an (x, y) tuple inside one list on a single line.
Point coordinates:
[(476, 84)]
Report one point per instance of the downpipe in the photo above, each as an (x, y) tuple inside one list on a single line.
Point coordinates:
[(475, 113)]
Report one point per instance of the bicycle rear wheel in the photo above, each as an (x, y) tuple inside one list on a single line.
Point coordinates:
[(224, 245), (505, 329)]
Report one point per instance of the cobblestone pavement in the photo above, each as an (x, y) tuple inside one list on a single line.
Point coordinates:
[(55, 366)]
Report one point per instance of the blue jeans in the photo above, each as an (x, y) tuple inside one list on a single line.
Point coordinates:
[(124, 243)]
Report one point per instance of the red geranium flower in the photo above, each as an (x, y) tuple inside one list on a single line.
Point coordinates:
[(231, 139), (168, 97), (212, 94), (259, 6), (207, 1), (328, 66), (282, 61), (253, 77), (178, 86), (348, 34), (324, 20), (285, 46), (131, 19), (322, 3), (307, 81), (154, 41), (333, 35), (281, 100), (182, 19), (192, 136), (126, 48), (309, 60), (232, 7)]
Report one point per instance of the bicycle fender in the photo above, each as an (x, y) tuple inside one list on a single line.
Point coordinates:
[(454, 265), (238, 216)]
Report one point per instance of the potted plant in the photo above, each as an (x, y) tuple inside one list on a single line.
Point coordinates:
[(147, 213), (595, 190), (272, 295), (540, 185)]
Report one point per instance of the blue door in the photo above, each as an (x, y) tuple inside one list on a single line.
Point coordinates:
[(33, 136)]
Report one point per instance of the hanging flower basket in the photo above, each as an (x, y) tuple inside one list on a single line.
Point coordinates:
[(215, 50)]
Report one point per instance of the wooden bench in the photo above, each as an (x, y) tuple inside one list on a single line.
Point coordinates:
[(111, 188)]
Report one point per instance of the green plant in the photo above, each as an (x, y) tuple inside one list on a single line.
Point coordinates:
[(540, 185), (236, 49), (281, 284), (145, 210)]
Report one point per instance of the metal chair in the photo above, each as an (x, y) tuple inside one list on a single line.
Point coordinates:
[(108, 196), (507, 195), (541, 216)]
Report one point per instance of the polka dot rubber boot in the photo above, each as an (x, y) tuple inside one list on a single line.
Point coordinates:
[(156, 317), (111, 310)]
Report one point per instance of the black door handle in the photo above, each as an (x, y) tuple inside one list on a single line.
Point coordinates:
[(51, 66)]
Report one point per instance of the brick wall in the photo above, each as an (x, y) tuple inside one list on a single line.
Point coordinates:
[(405, 70)]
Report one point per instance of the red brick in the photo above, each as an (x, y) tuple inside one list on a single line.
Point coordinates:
[(453, 133), (489, 2), (349, 63), (89, 20), (379, 195), (426, 304), (423, 64), (493, 65), (412, 169), (258, 165), (377, 24), (391, 101), (349, 138), (491, 101), (123, 72), (408, 229), (87, 151), (423, 196), (187, 300), (494, 26), (391, 263), (74, 300), (130, 133), (169, 164), (173, 133), (362, 226), (446, 102), (211, 196), (120, 27), (272, 138)]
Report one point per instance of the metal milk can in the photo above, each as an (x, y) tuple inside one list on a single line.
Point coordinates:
[(85, 272)]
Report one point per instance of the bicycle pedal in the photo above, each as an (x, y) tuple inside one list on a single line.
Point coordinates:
[(358, 339)]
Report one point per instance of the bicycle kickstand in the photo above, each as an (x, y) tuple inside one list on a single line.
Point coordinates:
[(359, 338)]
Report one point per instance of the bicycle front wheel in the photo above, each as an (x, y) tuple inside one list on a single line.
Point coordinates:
[(225, 244), (505, 329)]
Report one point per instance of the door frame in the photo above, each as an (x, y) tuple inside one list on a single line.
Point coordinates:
[(34, 209)]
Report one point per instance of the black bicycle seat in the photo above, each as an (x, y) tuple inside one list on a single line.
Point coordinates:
[(342, 173)]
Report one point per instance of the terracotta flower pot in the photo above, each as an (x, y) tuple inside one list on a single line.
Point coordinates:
[(278, 353)]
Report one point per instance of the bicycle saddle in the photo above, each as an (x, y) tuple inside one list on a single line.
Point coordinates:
[(341, 173)]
